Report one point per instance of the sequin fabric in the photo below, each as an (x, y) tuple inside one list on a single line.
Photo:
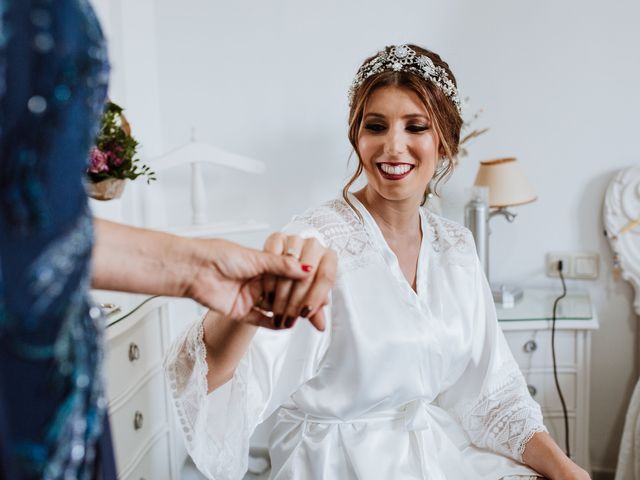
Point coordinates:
[(53, 81)]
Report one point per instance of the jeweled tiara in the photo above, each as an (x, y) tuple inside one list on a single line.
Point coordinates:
[(401, 58)]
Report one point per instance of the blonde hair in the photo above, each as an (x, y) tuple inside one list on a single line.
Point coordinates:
[(445, 118)]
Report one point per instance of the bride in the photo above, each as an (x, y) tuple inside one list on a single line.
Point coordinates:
[(411, 378)]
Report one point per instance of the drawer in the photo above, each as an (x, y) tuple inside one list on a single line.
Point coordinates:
[(140, 417), (542, 387), (133, 354), (155, 463), (117, 304), (532, 348), (555, 424)]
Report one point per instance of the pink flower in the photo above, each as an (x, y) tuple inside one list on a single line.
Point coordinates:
[(98, 161), (114, 159)]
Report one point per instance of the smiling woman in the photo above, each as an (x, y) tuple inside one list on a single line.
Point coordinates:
[(412, 377)]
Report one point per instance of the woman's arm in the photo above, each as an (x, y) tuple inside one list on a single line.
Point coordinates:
[(226, 342), (143, 261), (213, 272), (546, 457)]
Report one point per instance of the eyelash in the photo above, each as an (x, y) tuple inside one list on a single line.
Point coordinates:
[(378, 127)]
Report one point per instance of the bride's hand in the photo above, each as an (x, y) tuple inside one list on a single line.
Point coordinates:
[(290, 299)]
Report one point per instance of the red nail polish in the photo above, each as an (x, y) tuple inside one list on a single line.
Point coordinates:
[(305, 311), (306, 268)]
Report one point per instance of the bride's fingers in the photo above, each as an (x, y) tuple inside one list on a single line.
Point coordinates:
[(292, 247), (318, 294), (312, 252), (274, 244)]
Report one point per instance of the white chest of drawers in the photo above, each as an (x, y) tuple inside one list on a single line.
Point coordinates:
[(142, 428), (527, 328)]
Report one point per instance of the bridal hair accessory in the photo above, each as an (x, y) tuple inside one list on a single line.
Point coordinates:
[(404, 59)]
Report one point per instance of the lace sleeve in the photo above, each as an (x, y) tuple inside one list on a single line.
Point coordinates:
[(217, 426), (504, 418), (217, 443), (489, 397)]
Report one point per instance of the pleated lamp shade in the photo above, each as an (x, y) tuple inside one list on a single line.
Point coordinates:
[(507, 184)]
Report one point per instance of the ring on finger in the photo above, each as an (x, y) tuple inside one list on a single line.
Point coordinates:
[(292, 252)]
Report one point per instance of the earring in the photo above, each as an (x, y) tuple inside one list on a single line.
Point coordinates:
[(442, 165)]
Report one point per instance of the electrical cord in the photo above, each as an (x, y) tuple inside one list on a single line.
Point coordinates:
[(555, 365)]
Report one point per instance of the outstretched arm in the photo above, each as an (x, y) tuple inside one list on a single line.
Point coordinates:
[(214, 272)]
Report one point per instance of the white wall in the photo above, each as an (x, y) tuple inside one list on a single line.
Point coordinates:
[(557, 82)]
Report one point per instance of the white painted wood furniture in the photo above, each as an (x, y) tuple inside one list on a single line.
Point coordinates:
[(197, 154), (527, 328), (621, 218), (136, 338)]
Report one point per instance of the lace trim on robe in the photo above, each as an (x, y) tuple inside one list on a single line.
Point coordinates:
[(452, 243), (186, 369), (342, 230), (505, 417)]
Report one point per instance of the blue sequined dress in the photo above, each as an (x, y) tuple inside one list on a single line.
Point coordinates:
[(53, 78)]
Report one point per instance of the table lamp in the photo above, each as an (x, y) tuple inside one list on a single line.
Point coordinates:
[(507, 187)]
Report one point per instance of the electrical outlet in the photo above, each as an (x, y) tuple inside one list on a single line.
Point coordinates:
[(580, 265), (552, 263)]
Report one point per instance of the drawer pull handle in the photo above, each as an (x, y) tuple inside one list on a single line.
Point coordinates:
[(533, 391), (109, 308), (138, 420), (134, 352), (530, 347)]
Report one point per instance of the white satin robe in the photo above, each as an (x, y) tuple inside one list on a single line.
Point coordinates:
[(401, 385)]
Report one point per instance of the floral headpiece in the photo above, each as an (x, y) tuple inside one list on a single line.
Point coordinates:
[(403, 59)]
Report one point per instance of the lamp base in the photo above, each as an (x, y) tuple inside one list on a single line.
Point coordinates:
[(506, 295)]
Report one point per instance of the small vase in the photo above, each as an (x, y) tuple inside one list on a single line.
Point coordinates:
[(107, 189)]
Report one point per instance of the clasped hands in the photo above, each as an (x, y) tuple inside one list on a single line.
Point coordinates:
[(292, 278), (282, 300)]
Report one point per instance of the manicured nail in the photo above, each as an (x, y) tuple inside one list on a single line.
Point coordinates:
[(277, 320), (306, 268), (289, 321), (306, 310)]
